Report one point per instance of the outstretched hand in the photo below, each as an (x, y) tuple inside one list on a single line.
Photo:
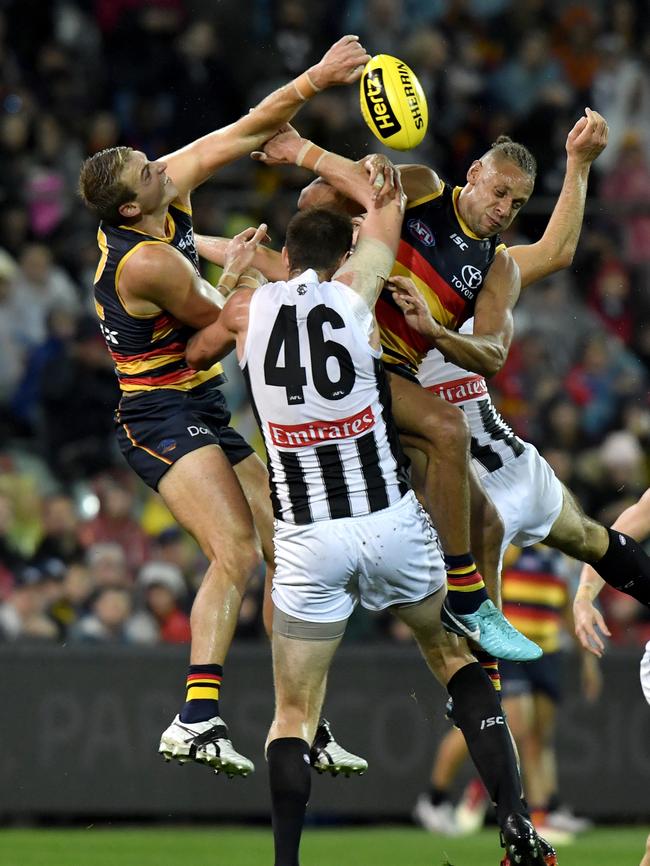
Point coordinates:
[(281, 149), (241, 250), (382, 175), (411, 302), (341, 64), (588, 138), (590, 626)]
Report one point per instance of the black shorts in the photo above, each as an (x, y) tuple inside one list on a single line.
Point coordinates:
[(528, 678), (155, 429)]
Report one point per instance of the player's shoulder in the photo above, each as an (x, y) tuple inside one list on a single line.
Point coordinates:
[(155, 262), (420, 182)]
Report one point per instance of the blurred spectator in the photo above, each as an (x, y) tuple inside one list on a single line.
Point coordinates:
[(23, 613), (107, 565), (37, 287), (111, 620), (164, 592), (60, 531), (116, 523), (621, 93), (72, 603)]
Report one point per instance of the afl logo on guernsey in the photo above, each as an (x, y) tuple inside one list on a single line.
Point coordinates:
[(472, 277), (422, 232)]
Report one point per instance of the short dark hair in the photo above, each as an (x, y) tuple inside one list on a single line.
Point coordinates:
[(317, 238), (518, 153), (101, 186)]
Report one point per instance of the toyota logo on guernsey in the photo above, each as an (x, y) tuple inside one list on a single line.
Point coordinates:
[(313, 432), (472, 277), (422, 232)]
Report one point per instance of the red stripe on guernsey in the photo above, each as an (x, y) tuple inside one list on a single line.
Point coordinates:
[(392, 319), (163, 350), (411, 259), (169, 379), (524, 610), (204, 678)]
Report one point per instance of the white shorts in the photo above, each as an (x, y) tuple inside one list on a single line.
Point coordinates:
[(325, 568), (645, 672), (527, 494)]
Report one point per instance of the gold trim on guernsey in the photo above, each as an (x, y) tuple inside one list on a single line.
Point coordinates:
[(118, 271), (425, 198), (199, 377), (461, 222), (182, 207), (132, 368), (170, 230), (102, 243)]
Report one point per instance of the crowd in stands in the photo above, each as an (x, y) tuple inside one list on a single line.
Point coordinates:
[(87, 553)]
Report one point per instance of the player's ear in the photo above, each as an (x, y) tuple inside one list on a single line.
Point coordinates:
[(285, 259), (474, 171), (130, 209)]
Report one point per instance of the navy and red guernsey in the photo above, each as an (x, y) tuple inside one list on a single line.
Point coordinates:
[(446, 261), (148, 351)]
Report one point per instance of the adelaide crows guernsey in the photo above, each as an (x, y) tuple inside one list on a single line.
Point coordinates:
[(148, 351), (322, 402), (446, 261)]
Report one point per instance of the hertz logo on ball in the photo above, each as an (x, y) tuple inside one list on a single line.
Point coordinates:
[(393, 103)]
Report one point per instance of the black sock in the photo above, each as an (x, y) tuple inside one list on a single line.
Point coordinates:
[(438, 795), (290, 780), (478, 713), (625, 566)]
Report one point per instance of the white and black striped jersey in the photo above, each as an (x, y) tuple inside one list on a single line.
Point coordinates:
[(493, 442), (322, 402)]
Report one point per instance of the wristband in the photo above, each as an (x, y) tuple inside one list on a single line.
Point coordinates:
[(305, 87)]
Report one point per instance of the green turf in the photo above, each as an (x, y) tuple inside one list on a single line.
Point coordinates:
[(379, 846)]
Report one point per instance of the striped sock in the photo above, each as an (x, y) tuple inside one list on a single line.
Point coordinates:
[(202, 695), (465, 588), (490, 665)]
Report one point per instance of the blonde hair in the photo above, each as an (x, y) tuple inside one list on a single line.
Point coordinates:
[(101, 186)]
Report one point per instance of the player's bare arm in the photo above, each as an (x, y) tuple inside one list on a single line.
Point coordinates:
[(589, 622), (158, 277), (557, 246), (196, 162), (484, 351), (266, 260), (239, 279), (216, 341)]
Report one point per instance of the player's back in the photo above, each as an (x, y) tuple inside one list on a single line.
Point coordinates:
[(322, 401)]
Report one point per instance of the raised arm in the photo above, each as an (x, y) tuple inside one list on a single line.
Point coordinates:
[(557, 246), (589, 622), (193, 164), (266, 260), (484, 351)]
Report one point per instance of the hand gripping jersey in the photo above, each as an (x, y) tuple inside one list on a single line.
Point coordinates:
[(446, 261), (148, 351), (493, 442), (322, 402)]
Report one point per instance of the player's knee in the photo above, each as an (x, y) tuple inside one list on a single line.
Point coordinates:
[(240, 557), (447, 430)]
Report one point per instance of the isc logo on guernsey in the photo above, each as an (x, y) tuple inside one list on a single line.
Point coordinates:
[(314, 432)]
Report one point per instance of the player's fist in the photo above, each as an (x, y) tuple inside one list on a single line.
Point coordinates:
[(588, 138), (342, 64), (281, 149)]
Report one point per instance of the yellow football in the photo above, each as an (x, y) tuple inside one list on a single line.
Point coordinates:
[(393, 103)]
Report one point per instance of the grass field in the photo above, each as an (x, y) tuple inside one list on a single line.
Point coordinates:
[(231, 846)]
